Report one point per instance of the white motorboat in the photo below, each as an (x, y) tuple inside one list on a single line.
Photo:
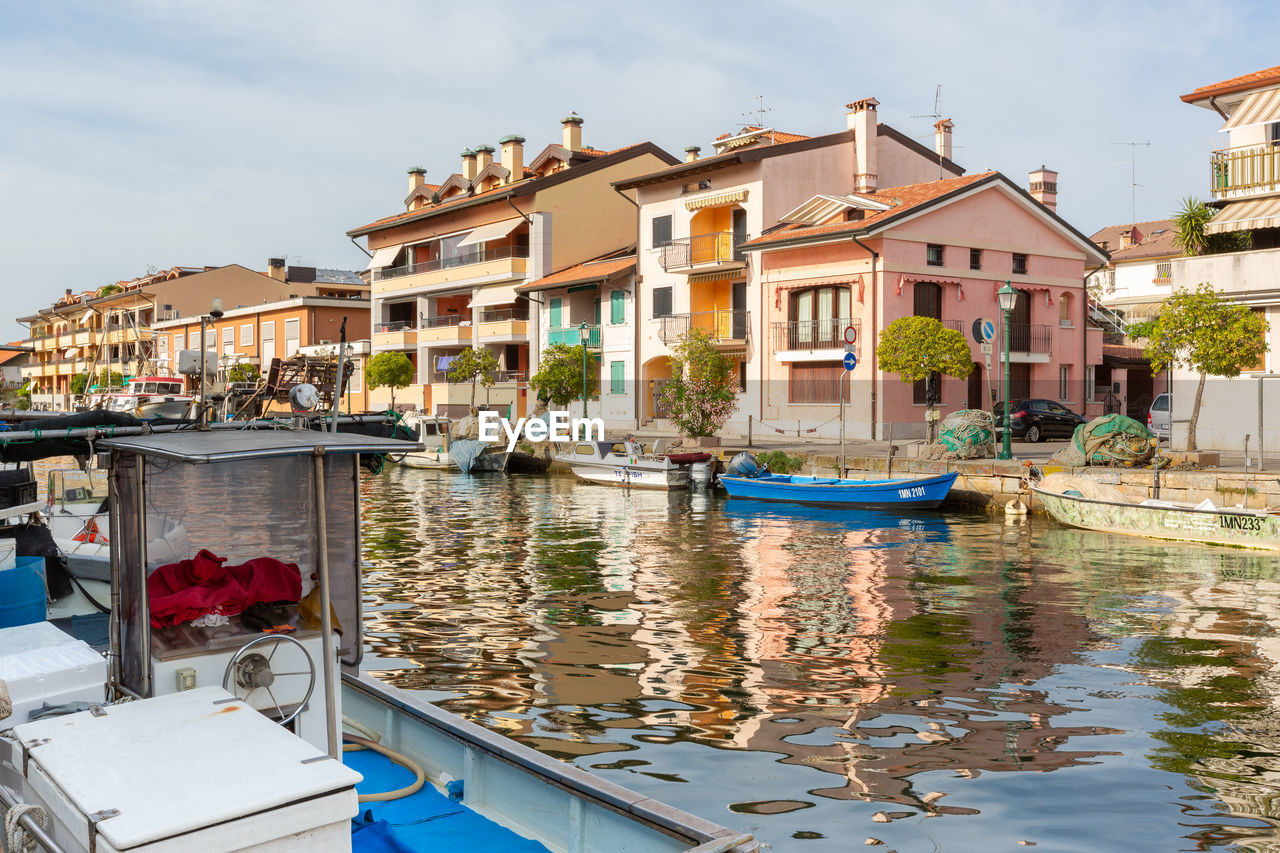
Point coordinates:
[(147, 397), (624, 463), (432, 432), (210, 730)]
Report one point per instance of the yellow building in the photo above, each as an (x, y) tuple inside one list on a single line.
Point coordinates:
[(444, 273)]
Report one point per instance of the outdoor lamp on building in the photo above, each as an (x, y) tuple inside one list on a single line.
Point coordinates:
[(584, 333), (1006, 297)]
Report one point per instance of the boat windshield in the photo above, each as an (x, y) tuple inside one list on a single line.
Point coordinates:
[(70, 487)]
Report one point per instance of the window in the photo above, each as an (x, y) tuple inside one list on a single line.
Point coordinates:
[(164, 344), (246, 335), (211, 339), (742, 377), (818, 316), (1064, 310), (617, 377), (661, 230), (597, 306), (557, 310), (927, 299), (933, 255), (228, 340), (1273, 133), (1019, 263), (1089, 380), (357, 377), (268, 348), (1064, 378), (618, 307), (818, 382), (292, 336), (662, 302), (1164, 272), (179, 343), (975, 259)]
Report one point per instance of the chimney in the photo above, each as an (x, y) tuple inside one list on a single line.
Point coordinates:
[(1126, 238), (691, 153), (572, 131), (417, 177), (484, 156), (469, 169), (942, 138), (513, 156), (275, 268), (1044, 187), (863, 121)]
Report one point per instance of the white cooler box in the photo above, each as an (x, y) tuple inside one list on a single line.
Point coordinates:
[(191, 771), (40, 663)]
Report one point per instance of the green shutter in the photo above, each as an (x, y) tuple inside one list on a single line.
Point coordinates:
[(618, 306), (617, 377), (597, 310), (555, 313)]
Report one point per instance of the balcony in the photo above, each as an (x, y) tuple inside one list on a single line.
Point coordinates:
[(725, 326), (1024, 337), (494, 264), (568, 335), (811, 335), (701, 253), (503, 324), (449, 329), (397, 334), (1244, 172)]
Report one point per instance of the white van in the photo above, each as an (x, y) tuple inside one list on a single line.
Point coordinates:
[(1159, 418)]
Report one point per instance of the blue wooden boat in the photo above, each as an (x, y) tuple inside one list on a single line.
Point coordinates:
[(834, 492)]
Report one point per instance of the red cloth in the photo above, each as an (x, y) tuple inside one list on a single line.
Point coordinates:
[(191, 588)]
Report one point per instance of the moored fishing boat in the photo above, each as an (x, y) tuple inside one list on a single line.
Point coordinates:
[(228, 687), (1084, 503), (147, 397), (927, 493), (625, 463)]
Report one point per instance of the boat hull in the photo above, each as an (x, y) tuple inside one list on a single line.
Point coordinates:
[(928, 493), (631, 476), (1180, 524)]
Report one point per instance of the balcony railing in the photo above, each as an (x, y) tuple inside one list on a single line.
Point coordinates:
[(501, 315), (394, 326), (1237, 171), (569, 336), (479, 256), (1024, 337), (441, 377), (685, 252), (723, 325), (812, 334), (443, 321)]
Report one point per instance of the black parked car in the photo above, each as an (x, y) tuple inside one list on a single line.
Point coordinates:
[(1034, 420)]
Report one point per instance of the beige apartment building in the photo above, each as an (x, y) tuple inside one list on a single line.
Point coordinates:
[(115, 326), (444, 272)]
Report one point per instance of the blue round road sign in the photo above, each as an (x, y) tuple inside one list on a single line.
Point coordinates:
[(988, 330), (850, 361)]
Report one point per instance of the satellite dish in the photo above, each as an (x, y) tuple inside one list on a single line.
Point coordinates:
[(304, 397)]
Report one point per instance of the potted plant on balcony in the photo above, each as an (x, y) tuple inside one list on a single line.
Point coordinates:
[(919, 349), (702, 393)]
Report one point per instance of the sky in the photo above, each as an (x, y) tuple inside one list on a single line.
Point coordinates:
[(140, 134)]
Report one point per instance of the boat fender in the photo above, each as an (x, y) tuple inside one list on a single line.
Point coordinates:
[(1015, 507)]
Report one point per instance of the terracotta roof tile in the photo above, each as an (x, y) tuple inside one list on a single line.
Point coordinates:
[(778, 136), (899, 199), (599, 268), (1257, 79), (1155, 240)]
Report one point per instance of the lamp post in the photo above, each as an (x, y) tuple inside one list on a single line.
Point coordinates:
[(584, 332), (214, 315), (1006, 297)]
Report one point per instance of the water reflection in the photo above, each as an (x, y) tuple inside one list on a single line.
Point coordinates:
[(794, 670)]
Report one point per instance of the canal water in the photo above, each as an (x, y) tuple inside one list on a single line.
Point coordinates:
[(933, 681)]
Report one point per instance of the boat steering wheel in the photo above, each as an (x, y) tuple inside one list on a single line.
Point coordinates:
[(249, 671)]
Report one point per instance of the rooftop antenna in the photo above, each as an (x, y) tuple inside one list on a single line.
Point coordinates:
[(1133, 178), (936, 115), (759, 111)]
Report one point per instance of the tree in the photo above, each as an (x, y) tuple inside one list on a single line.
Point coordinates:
[(389, 370), (79, 382), (1191, 236), (474, 365), (243, 372), (110, 379), (559, 376), (920, 348), (703, 390), (1202, 332)]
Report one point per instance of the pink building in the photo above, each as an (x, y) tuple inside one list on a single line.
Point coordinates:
[(941, 249)]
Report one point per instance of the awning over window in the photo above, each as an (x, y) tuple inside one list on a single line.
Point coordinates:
[(715, 199), (1257, 108), (1139, 310), (492, 231), (503, 294), (384, 257), (1245, 216), (87, 315), (727, 275)]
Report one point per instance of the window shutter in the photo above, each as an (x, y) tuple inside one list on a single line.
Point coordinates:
[(661, 230), (555, 313), (618, 306), (662, 302), (597, 310), (617, 377)]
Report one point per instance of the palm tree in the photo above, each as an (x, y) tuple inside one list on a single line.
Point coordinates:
[(1191, 220)]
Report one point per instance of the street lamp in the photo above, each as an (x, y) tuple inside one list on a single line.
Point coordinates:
[(584, 333), (1005, 298), (214, 315)]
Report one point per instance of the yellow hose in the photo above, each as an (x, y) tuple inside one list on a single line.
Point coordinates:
[(358, 743)]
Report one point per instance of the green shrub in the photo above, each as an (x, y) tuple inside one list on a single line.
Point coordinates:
[(780, 463)]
